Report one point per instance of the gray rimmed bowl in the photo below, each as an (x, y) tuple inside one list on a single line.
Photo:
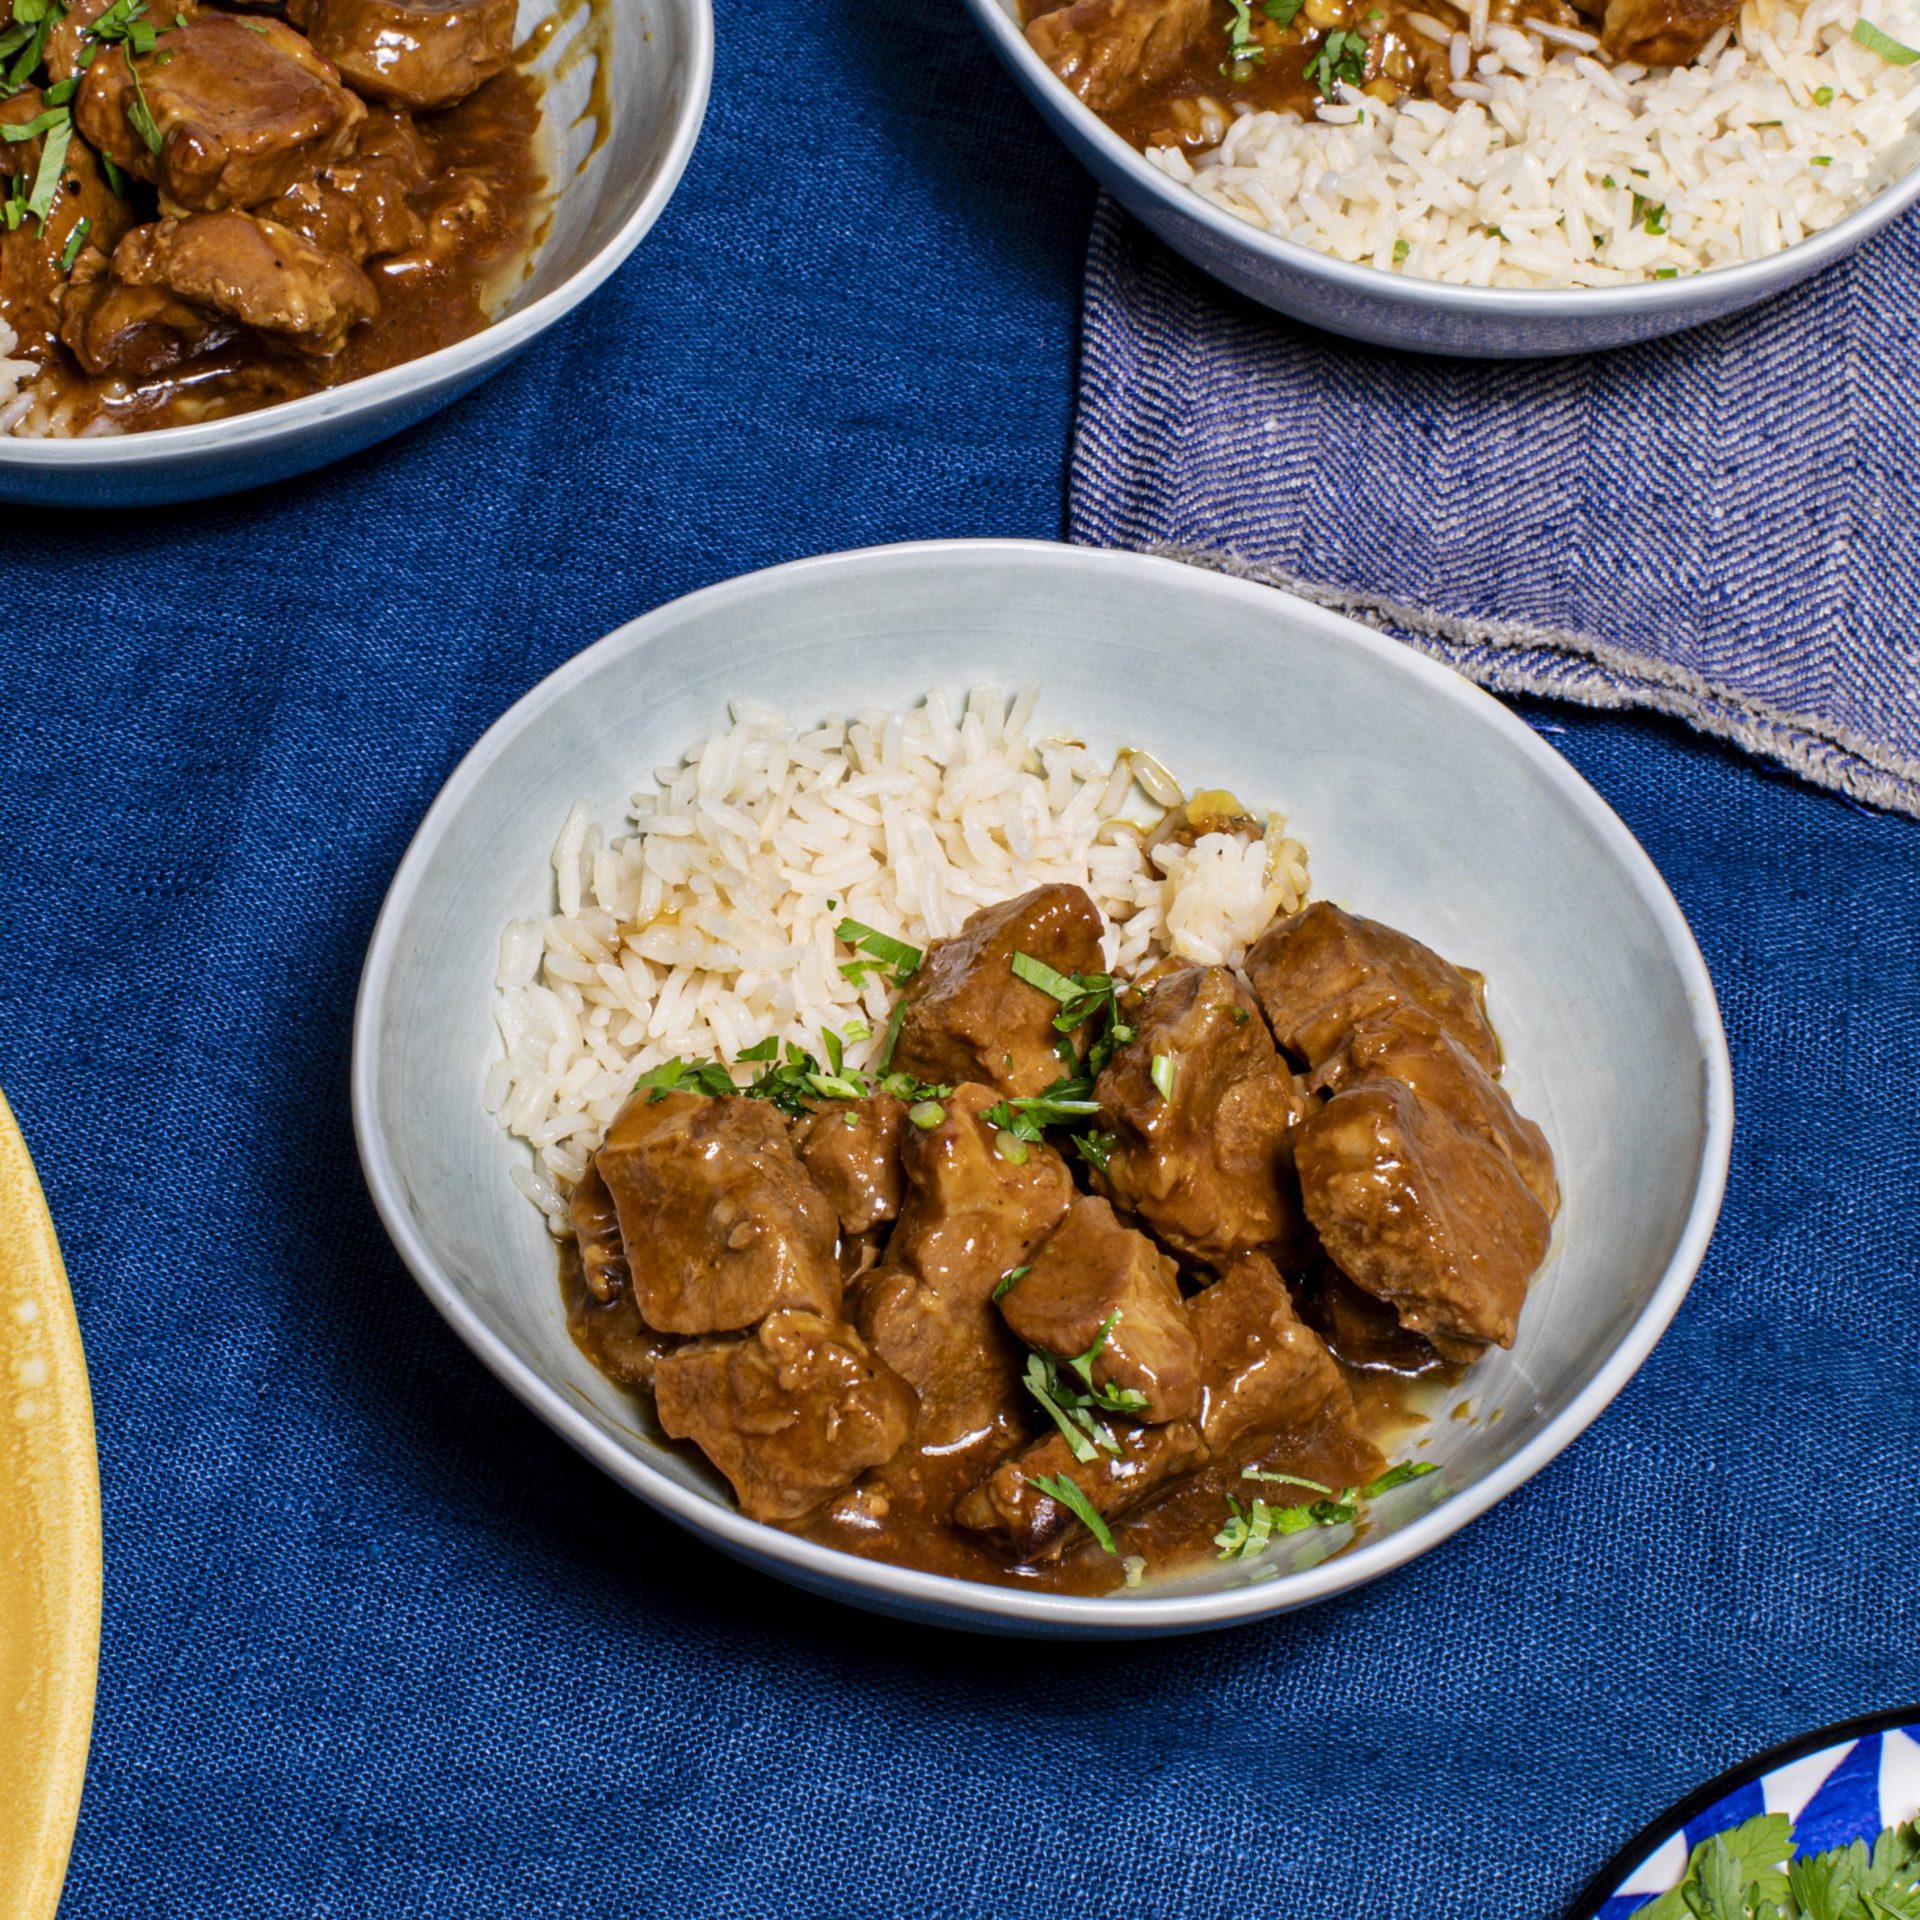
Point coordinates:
[(1421, 800), (660, 55), (1395, 309)]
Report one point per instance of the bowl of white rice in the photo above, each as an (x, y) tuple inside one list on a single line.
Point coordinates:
[(1565, 203), (646, 856)]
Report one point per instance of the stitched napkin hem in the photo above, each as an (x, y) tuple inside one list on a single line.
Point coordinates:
[(1513, 656)]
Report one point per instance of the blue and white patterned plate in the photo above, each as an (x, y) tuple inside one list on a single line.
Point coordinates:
[(1844, 1783)]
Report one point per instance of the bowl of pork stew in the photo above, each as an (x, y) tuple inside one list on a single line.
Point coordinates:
[(241, 241), (1095, 1145), (1487, 178)]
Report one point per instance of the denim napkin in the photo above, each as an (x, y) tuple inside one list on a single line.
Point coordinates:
[(1724, 526)]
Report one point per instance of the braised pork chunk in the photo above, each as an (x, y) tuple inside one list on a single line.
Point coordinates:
[(970, 1018), (1203, 1112)]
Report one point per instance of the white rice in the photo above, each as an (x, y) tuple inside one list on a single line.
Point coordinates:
[(15, 373), (1554, 165), (710, 925)]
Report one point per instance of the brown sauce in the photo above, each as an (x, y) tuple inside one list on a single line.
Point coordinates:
[(903, 1517)]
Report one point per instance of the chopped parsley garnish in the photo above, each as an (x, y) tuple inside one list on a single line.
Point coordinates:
[(1008, 1278), (1050, 980), (1281, 12), (75, 241), (1075, 1409), (1027, 1118), (1065, 1489), (903, 959), (32, 129), (1094, 1147), (53, 157), (1752, 1872), (1866, 34), (690, 1076), (1244, 51), (1250, 1528), (139, 116), (792, 1078), (895, 1020), (1341, 61)]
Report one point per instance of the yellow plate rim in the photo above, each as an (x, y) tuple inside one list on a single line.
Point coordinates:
[(48, 1443)]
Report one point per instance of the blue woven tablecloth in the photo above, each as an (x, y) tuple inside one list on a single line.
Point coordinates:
[(1724, 525), (376, 1644)]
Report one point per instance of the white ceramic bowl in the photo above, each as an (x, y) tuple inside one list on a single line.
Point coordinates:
[(661, 66), (1395, 309), (1421, 800)]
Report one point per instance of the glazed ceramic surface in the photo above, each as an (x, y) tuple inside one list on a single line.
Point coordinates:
[(1843, 1784), (49, 1547), (1395, 309), (613, 182), (1421, 801)]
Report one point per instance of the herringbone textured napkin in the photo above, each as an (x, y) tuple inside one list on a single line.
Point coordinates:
[(1723, 526)]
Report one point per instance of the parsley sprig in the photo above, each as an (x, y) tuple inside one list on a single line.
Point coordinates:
[(1750, 1872), (1341, 61), (1085, 999), (794, 1079), (1064, 1488), (1249, 1529), (1244, 51), (1075, 1410)]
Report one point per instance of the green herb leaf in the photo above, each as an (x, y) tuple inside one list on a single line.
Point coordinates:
[(1243, 50), (892, 1036), (767, 1049), (1397, 1477), (903, 959), (1884, 44), (139, 117), (75, 241), (1094, 1147), (1065, 1489), (1247, 1530), (1284, 1480), (1281, 12), (34, 128), (1036, 973), (53, 157), (1008, 1278), (1341, 60), (1043, 1382)]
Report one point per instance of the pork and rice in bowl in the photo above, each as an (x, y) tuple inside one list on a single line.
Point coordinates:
[(1509, 143), (993, 1160)]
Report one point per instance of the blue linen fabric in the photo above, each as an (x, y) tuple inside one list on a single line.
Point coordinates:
[(1724, 525), (377, 1645)]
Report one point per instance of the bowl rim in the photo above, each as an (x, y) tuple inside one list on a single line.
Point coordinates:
[(878, 1583), (1717, 286), (494, 343)]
